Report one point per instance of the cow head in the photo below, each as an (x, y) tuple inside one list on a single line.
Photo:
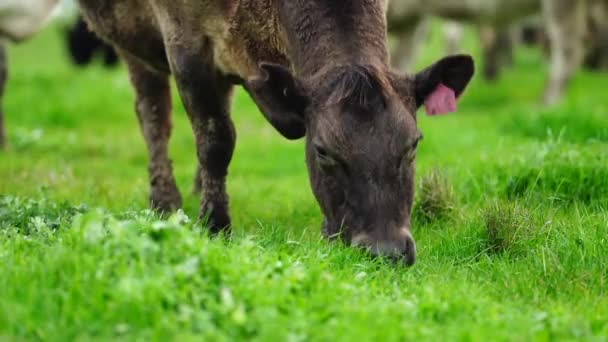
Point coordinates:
[(361, 140)]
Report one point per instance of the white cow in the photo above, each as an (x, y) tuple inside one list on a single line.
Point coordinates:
[(566, 22), (19, 19)]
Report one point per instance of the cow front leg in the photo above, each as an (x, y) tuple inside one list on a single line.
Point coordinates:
[(198, 181), (206, 95), (153, 107), (566, 28), (3, 78)]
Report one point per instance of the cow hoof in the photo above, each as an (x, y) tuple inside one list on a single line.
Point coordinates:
[(165, 200), (216, 218)]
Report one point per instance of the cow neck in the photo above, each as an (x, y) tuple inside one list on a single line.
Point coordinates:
[(324, 34)]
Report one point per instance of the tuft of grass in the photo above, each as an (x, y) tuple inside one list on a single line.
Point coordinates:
[(561, 173), (26, 216), (509, 228), (562, 123), (436, 200)]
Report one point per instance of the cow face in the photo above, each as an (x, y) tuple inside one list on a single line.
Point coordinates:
[(361, 140)]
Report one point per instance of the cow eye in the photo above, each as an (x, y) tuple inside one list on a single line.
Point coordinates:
[(321, 152), (418, 139), (325, 158), (410, 155)]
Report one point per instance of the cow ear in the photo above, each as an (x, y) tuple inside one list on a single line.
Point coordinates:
[(440, 84), (281, 98)]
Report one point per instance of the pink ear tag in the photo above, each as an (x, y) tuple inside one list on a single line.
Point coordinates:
[(441, 101)]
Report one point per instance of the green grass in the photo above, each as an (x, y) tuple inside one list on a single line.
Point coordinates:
[(518, 249)]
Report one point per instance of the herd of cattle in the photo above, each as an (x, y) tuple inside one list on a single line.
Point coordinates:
[(575, 30), (318, 69)]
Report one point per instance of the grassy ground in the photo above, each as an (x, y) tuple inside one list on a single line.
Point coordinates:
[(511, 230)]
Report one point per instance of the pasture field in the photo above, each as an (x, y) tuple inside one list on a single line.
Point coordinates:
[(511, 222)]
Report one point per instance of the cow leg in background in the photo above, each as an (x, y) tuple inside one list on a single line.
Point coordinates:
[(505, 44), (110, 58), (497, 49), (453, 33), (566, 28), (409, 37), (3, 77), (198, 181), (597, 37), (597, 56), (153, 107), (206, 95)]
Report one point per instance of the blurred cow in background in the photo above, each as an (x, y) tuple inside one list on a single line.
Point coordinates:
[(533, 33), (573, 27), (84, 45), (20, 19), (496, 46)]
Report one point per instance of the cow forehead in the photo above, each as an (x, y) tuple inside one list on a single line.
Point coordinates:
[(350, 130)]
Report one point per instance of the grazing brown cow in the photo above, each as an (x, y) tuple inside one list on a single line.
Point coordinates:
[(315, 68)]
